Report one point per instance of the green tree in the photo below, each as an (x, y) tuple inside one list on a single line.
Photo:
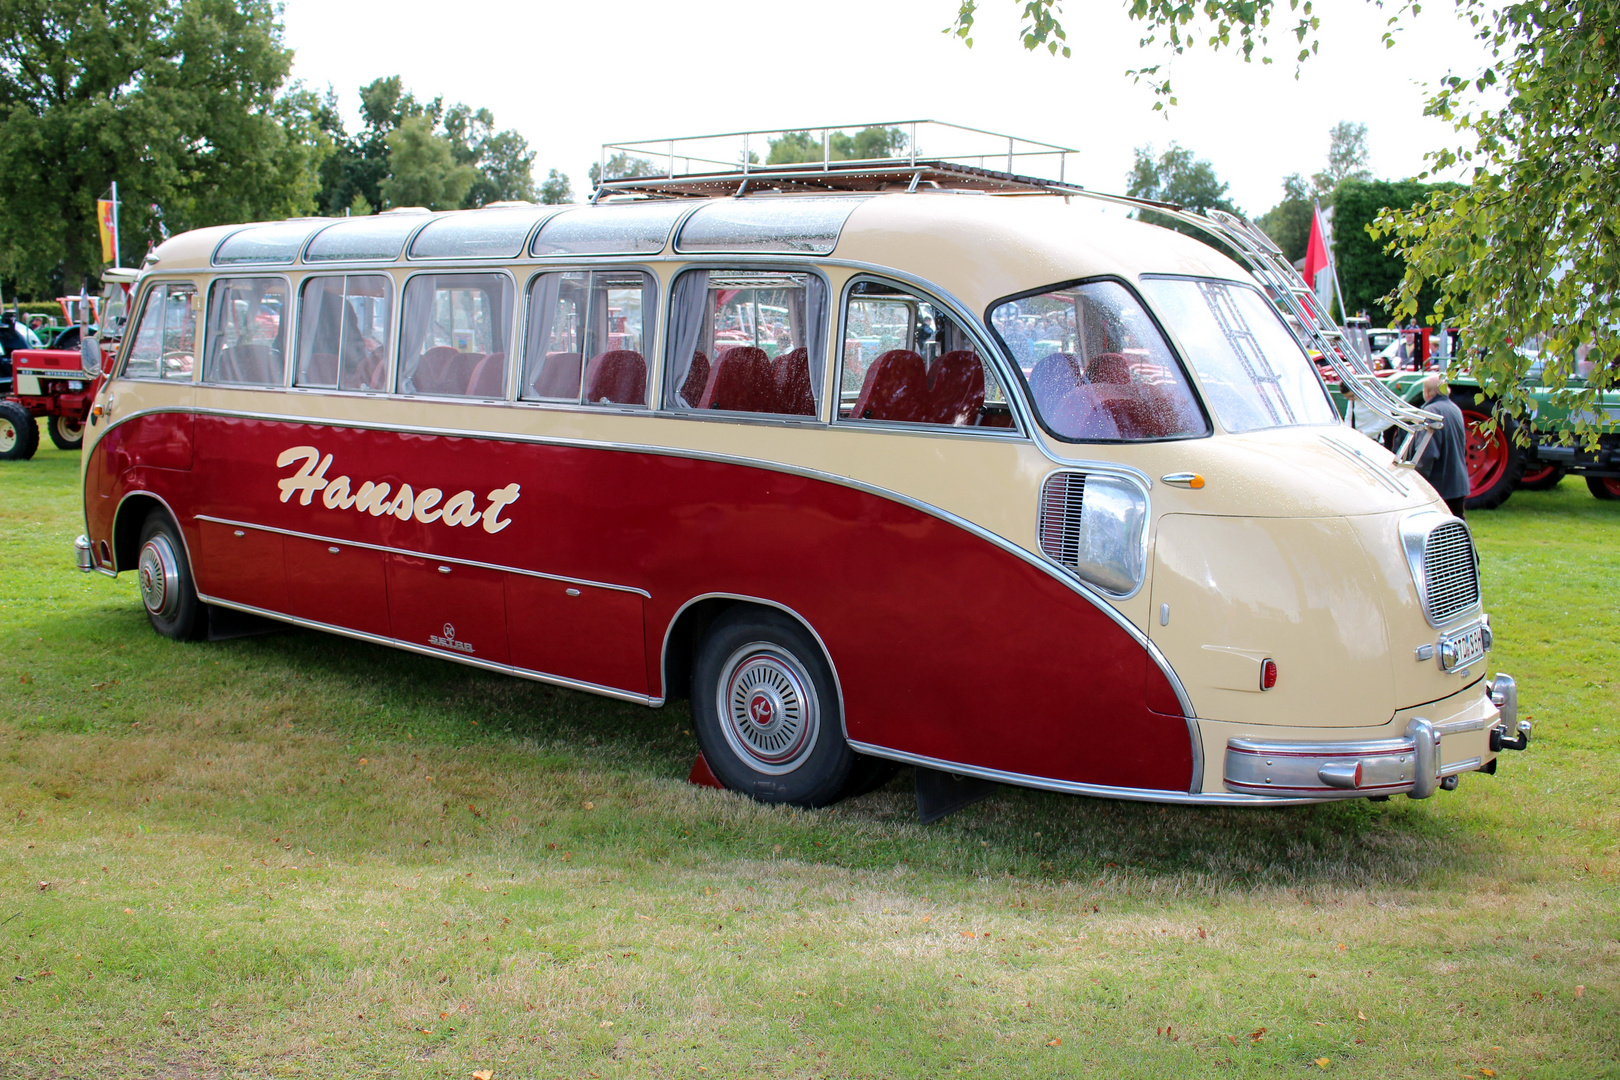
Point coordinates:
[(622, 167), (1368, 273), (1177, 177), (1289, 222), (1532, 245), (423, 170), (556, 189), (795, 147), (1347, 158), (184, 102)]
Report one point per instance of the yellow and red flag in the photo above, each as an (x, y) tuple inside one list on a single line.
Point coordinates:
[(108, 228)]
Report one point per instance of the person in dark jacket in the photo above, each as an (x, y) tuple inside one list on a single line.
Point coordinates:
[(1445, 461)]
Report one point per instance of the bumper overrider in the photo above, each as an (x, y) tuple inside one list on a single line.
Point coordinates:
[(1411, 764)]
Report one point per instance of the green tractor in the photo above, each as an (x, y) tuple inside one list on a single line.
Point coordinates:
[(1497, 463)]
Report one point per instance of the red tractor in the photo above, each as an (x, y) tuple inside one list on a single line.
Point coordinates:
[(60, 383)]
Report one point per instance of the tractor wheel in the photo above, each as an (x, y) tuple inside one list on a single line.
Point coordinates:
[(66, 432), (1494, 461), (19, 432), (1541, 477), (1604, 487), (165, 579)]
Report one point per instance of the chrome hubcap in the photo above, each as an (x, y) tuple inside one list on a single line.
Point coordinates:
[(159, 573), (768, 708)]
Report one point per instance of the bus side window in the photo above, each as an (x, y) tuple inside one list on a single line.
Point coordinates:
[(586, 340), (453, 331), (746, 341), (166, 339), (246, 343), (343, 339), (905, 360)]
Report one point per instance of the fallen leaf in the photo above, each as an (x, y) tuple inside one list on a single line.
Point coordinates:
[(1488, 1072), (129, 911), (1257, 1034), (1322, 1063), (590, 806), (1360, 1015), (1232, 1039), (1580, 991), (484, 1074), (1201, 932), (1056, 1042), (44, 886)]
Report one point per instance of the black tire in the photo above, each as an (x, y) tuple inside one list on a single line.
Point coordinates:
[(869, 774), (1540, 477), (752, 663), (166, 586), (19, 432), (1603, 487), (1494, 461), (66, 433)]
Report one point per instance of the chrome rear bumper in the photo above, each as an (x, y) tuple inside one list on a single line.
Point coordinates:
[(82, 556), (1411, 764)]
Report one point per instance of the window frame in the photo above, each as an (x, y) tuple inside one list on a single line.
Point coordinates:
[(289, 327), (651, 329), (1170, 345), (393, 330), (134, 334), (738, 264), (451, 268), (989, 354)]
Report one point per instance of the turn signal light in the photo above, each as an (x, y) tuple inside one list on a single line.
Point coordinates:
[(1268, 673)]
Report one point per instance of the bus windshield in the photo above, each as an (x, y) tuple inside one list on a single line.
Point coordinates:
[(1253, 372)]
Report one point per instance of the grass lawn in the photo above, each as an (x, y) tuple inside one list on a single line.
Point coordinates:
[(300, 855)]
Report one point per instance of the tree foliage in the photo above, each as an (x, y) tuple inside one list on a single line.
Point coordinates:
[(794, 147), (1175, 176), (1368, 273), (1347, 158), (448, 150), (1289, 222), (621, 167), (1530, 249), (183, 102), (556, 189)]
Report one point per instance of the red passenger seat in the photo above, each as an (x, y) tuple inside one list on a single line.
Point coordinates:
[(955, 389), (697, 377), (791, 374), (488, 378), (1109, 367), (895, 388), (616, 377), (741, 381), (559, 376), (445, 371)]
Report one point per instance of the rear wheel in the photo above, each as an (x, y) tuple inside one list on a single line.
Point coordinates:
[(66, 432), (1541, 477), (767, 712), (167, 591), (19, 433), (1494, 462), (1604, 487)]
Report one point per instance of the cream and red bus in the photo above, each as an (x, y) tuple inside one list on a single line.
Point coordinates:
[(903, 463)]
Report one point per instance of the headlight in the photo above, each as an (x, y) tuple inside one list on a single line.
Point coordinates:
[(1096, 525)]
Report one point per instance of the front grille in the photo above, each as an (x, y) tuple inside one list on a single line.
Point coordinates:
[(1061, 496), (1449, 572)]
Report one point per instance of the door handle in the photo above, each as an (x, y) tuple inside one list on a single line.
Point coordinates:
[(444, 569)]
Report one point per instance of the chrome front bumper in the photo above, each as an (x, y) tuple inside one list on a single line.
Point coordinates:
[(1411, 764)]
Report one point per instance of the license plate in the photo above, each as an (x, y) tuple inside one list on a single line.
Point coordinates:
[(1462, 650)]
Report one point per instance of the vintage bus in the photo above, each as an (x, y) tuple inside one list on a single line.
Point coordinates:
[(963, 473)]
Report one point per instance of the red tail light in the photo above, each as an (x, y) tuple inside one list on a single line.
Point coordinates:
[(1268, 673)]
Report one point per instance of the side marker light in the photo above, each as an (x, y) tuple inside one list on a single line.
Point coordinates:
[(1268, 673), (1184, 479)]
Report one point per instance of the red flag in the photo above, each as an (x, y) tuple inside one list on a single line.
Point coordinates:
[(1318, 263)]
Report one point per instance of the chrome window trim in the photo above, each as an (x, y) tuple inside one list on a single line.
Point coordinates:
[(651, 329), (988, 355), (127, 345), (1040, 562), (774, 262), (398, 349), (409, 646), (663, 651), (321, 538), (395, 303), (287, 327), (1192, 797)]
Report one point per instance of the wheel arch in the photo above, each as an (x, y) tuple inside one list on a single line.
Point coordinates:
[(133, 510), (695, 616)]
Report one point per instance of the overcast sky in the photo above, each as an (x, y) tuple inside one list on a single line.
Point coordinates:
[(572, 75)]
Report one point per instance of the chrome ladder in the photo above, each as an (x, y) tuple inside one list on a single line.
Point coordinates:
[(1313, 324)]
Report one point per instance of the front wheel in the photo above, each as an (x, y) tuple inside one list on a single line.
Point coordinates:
[(766, 710), (1494, 461), (164, 572), (1541, 477), (1604, 487), (66, 432), (19, 433)]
